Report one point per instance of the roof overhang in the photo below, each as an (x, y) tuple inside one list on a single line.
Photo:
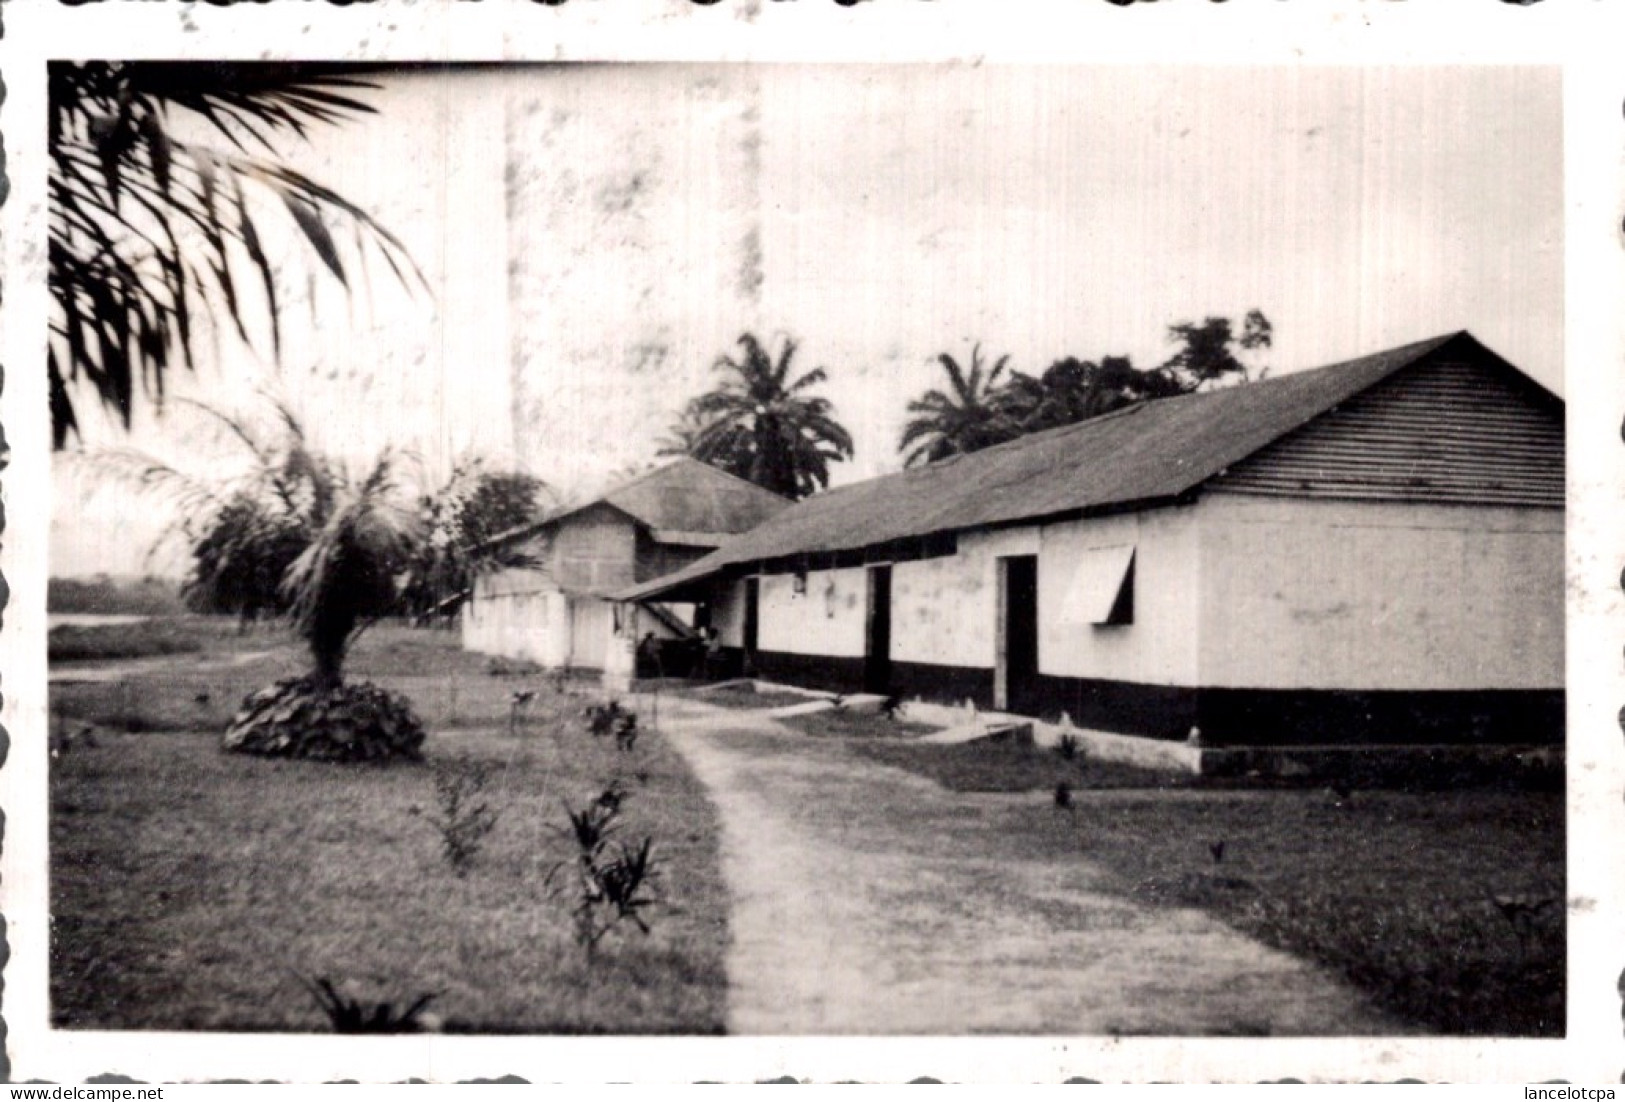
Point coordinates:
[(680, 538)]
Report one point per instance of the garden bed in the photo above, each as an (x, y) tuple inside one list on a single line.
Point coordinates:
[(743, 694), (848, 723)]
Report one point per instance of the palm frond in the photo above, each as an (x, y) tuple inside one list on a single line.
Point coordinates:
[(148, 232)]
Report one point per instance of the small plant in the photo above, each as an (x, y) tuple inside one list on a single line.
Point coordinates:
[(613, 878), (519, 708), (63, 739), (612, 719), (1063, 796), (893, 707), (348, 1014), (1068, 746), (464, 819), (1523, 915), (561, 679)]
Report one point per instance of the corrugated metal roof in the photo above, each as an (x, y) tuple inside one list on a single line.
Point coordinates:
[(1155, 451), (1453, 430), (684, 496)]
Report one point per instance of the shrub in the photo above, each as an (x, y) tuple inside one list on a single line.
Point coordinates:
[(464, 819), (612, 719), (348, 1014), (352, 722), (519, 708), (1068, 746)]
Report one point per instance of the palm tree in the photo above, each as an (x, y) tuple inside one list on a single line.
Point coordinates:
[(149, 233), (764, 426), (350, 572), (345, 547), (730, 451), (971, 415)]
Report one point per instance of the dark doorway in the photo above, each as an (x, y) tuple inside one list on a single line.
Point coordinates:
[(1016, 676), (877, 632), (753, 599)]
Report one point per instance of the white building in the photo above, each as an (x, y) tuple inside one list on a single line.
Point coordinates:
[(555, 613), (1368, 552)]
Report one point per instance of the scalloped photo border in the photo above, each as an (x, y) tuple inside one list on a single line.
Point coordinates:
[(1576, 36)]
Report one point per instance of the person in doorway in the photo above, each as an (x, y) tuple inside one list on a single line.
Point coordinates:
[(648, 656), (714, 659)]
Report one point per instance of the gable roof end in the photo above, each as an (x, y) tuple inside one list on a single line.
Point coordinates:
[(686, 497)]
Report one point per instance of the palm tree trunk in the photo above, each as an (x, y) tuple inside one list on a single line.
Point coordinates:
[(328, 670), (329, 640)]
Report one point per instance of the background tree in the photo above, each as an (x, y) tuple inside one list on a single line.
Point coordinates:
[(1208, 352), (460, 518), (981, 411), (763, 425), (973, 413), (1072, 390), (240, 559), (149, 233)]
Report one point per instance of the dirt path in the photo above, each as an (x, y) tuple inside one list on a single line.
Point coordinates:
[(849, 917)]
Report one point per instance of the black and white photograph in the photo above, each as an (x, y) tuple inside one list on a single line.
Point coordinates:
[(722, 549)]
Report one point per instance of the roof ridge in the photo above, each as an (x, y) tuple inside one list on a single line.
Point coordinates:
[(1406, 353), (1148, 453), (686, 460), (642, 478)]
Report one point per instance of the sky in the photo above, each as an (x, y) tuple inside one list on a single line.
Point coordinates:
[(888, 214)]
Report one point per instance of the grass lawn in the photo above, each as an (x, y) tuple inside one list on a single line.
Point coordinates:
[(194, 889), (1013, 767), (743, 694), (141, 639), (1397, 891)]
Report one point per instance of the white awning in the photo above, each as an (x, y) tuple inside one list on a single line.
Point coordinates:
[(1097, 584)]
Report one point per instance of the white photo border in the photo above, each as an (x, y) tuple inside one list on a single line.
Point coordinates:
[(1581, 38)]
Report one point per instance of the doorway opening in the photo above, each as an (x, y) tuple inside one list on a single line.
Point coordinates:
[(877, 632), (1015, 675)]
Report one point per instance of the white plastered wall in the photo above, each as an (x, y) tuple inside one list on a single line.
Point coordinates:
[(1351, 595), (1161, 646), (518, 614), (828, 619), (945, 610)]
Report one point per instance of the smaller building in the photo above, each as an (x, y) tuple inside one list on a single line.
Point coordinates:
[(554, 612)]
